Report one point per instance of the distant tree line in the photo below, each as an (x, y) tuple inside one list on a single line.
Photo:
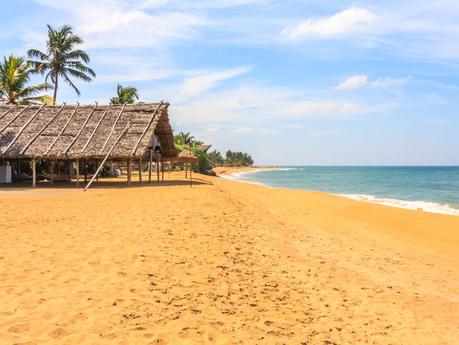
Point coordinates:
[(209, 160), (231, 159)]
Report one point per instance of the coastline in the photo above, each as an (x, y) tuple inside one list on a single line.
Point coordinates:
[(419, 205), (222, 262)]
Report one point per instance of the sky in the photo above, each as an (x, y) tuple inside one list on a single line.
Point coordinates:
[(292, 82)]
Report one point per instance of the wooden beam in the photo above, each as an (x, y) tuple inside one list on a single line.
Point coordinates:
[(69, 146), (52, 171), (129, 172), (70, 170), (106, 157), (113, 128), (34, 173), (95, 129), (62, 130), (150, 163), (77, 172), (97, 175), (41, 131), (8, 111), (13, 119), (140, 170), (134, 150), (18, 134), (59, 170), (157, 166), (162, 168)]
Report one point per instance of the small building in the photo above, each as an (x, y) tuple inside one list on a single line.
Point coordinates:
[(96, 133)]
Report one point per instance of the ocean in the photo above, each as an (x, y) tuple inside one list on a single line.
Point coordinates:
[(430, 188)]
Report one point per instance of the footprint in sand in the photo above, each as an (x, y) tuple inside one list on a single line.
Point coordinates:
[(58, 333), (21, 328)]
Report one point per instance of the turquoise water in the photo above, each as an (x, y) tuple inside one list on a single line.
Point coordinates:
[(433, 189)]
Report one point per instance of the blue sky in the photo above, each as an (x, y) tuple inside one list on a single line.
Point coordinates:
[(291, 82)]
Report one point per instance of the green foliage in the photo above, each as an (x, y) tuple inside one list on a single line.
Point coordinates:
[(125, 95), (14, 76), (208, 160), (203, 159), (61, 59), (215, 158), (237, 159), (182, 139)]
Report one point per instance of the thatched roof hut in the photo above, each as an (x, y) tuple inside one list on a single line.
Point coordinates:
[(186, 156), (85, 131)]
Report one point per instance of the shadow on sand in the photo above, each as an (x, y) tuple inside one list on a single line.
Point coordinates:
[(101, 184)]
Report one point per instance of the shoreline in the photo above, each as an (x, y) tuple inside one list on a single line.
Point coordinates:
[(413, 205)]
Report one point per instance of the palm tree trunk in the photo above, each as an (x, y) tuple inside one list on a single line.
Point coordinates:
[(55, 89)]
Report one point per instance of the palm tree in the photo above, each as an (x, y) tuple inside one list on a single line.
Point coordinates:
[(124, 95), (61, 59), (184, 139), (14, 75)]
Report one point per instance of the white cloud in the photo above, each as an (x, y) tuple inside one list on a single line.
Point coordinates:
[(353, 82), (359, 81), (201, 83), (338, 24), (388, 82), (258, 104), (121, 24)]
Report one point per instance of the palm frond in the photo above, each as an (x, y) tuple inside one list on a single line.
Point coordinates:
[(67, 79)]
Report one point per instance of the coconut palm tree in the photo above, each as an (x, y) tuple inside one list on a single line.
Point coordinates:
[(61, 59), (124, 95), (14, 75), (184, 139)]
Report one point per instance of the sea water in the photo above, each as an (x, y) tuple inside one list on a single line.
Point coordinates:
[(431, 189)]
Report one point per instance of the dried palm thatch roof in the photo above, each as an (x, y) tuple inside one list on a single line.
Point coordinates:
[(186, 156), (84, 131)]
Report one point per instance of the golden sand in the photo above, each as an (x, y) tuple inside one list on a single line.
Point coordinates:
[(225, 263)]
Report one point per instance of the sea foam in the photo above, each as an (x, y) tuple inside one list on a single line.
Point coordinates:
[(426, 206)]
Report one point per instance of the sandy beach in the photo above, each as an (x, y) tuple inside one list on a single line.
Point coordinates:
[(222, 262)]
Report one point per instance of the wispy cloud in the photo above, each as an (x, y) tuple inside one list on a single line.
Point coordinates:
[(203, 82), (121, 24), (258, 104), (360, 81), (338, 24)]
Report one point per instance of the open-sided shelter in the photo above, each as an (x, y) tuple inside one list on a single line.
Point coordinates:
[(86, 132)]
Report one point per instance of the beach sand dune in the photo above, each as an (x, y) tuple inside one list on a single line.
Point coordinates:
[(222, 263)]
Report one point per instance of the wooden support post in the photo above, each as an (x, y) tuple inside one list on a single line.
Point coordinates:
[(77, 172), (162, 168), (34, 173), (97, 172), (70, 170), (186, 170), (53, 163), (85, 163), (150, 167), (129, 172), (140, 170), (58, 171), (191, 176), (157, 166)]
